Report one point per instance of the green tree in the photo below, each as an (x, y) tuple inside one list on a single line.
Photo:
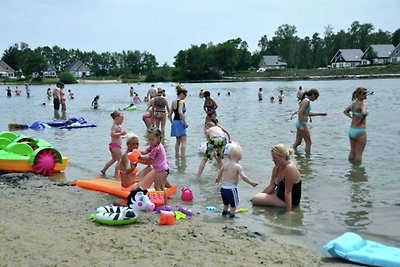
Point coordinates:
[(34, 62), (396, 37), (285, 43), (133, 61), (263, 43), (360, 35), (381, 37), (148, 62), (15, 55)]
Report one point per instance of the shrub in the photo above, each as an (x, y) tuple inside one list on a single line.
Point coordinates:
[(67, 78)]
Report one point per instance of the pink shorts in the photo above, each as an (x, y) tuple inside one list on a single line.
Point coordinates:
[(111, 146)]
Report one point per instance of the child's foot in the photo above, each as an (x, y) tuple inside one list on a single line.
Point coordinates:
[(102, 173), (225, 213)]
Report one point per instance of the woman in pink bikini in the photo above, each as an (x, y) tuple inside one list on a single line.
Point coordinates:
[(115, 145), (148, 117)]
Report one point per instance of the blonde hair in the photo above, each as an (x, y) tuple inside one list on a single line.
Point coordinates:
[(129, 136), (283, 151), (235, 151)]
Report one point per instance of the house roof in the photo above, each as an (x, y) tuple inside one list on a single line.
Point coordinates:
[(51, 68), (5, 68), (77, 66), (272, 61), (347, 55), (396, 51), (380, 50)]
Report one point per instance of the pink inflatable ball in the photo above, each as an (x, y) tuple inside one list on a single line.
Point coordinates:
[(134, 155), (186, 194)]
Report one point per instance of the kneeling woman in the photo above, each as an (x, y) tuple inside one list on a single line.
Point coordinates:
[(284, 189), (130, 178)]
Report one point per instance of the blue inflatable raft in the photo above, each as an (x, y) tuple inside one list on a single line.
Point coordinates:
[(70, 123), (354, 248)]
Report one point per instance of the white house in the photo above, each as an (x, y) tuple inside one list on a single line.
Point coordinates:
[(378, 54), (5, 70), (347, 58), (272, 62), (78, 69), (395, 55)]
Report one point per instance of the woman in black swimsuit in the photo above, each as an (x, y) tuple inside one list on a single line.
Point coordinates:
[(284, 189)]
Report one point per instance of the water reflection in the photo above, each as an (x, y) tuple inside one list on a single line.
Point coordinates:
[(357, 216), (181, 165), (304, 163), (281, 221)]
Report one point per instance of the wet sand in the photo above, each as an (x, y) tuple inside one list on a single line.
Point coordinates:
[(44, 223)]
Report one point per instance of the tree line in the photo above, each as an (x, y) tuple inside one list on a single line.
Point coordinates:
[(206, 61)]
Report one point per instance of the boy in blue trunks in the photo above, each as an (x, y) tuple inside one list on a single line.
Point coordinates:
[(215, 146), (230, 173)]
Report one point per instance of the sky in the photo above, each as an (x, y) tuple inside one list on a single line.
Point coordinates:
[(163, 27)]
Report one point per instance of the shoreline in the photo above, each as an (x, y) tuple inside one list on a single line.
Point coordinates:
[(48, 225), (246, 79)]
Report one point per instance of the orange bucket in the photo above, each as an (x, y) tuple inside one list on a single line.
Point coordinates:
[(167, 217)]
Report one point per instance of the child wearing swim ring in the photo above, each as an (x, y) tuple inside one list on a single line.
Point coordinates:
[(216, 143), (230, 173), (115, 145)]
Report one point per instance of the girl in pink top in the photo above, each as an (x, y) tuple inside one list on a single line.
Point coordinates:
[(157, 157)]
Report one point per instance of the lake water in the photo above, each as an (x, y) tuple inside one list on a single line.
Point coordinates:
[(337, 196)]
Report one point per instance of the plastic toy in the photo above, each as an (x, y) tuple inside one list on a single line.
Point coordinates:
[(186, 194), (121, 215), (21, 153), (157, 197), (138, 200), (134, 155), (210, 208), (179, 215), (241, 210), (167, 218), (164, 207), (186, 211)]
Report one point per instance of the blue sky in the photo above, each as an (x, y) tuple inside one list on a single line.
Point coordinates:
[(163, 27)]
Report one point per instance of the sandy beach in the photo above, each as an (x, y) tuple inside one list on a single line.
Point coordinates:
[(44, 223)]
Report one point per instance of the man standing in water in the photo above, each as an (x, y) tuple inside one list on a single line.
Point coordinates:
[(56, 100), (152, 92)]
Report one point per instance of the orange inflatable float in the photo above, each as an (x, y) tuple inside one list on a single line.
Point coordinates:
[(113, 187)]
